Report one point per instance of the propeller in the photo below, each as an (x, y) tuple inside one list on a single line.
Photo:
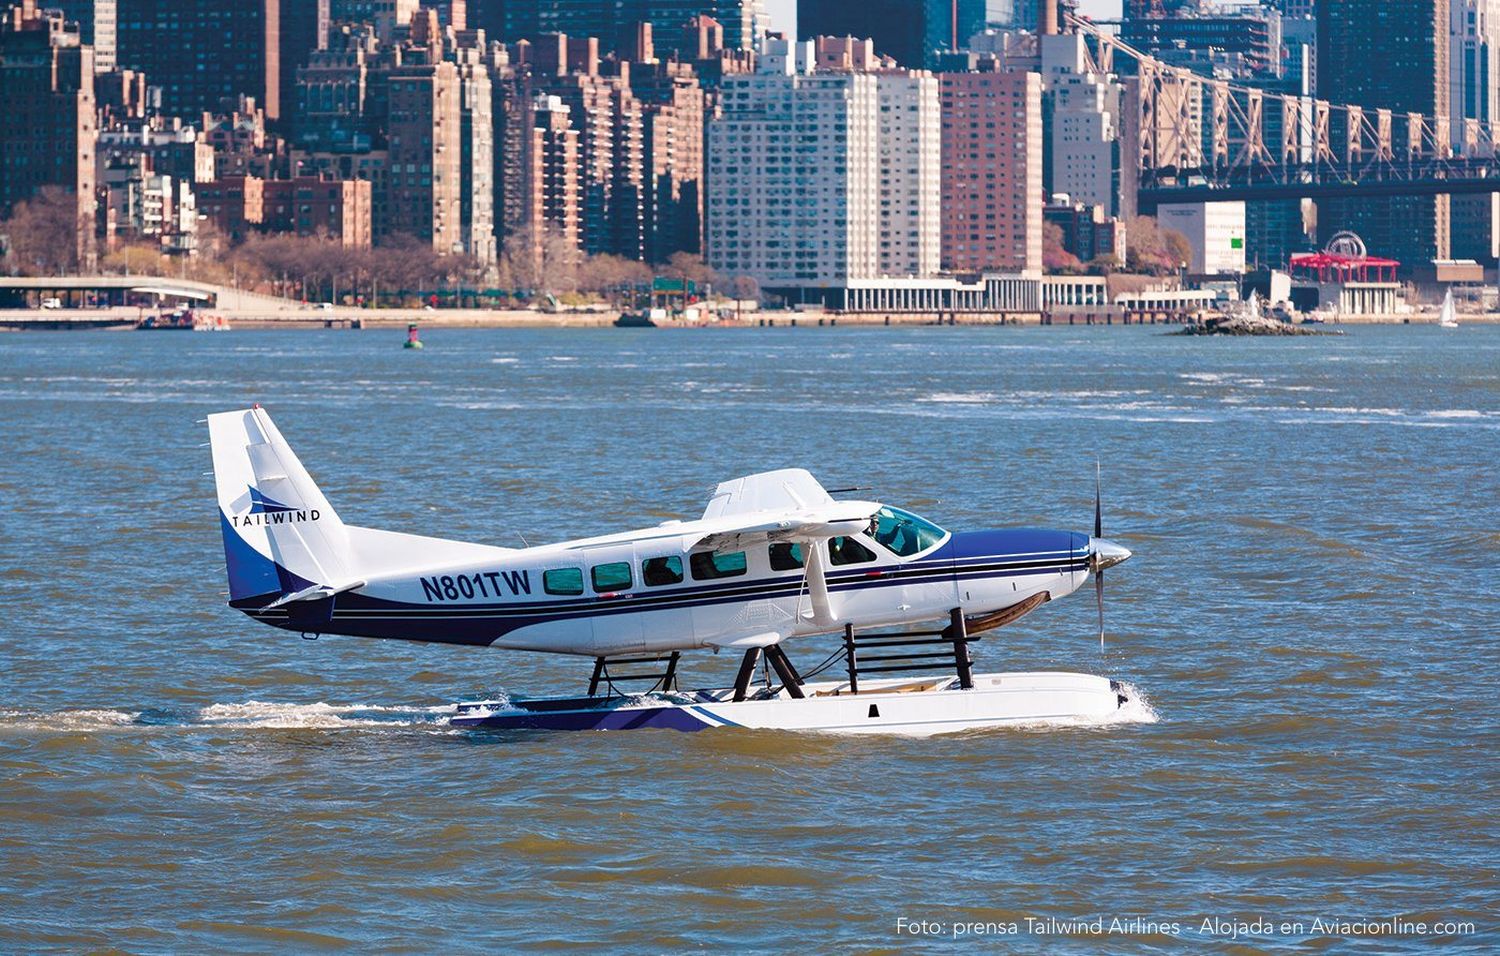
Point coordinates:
[(1102, 553), (1098, 571)]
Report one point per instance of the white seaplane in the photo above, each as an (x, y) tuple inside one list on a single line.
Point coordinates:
[(774, 558)]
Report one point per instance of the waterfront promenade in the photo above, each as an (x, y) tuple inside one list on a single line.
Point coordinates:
[(244, 309)]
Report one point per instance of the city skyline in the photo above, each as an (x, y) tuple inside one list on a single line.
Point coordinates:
[(783, 13), (946, 167)]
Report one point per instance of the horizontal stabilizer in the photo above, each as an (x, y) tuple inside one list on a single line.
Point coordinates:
[(315, 593)]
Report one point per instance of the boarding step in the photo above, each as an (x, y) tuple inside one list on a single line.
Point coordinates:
[(861, 651)]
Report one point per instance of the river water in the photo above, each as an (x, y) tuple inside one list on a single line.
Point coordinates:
[(1310, 613)]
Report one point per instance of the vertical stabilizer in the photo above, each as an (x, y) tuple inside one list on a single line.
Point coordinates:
[(281, 536)]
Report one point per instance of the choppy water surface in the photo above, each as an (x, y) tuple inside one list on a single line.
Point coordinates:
[(1311, 613)]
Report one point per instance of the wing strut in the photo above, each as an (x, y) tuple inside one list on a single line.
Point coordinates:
[(817, 586)]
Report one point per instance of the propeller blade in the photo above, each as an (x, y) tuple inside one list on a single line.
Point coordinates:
[(1098, 509), (1099, 600)]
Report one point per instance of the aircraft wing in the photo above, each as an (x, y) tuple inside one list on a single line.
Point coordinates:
[(805, 524), (790, 489)]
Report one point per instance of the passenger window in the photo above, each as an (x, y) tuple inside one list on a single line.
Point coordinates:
[(706, 565), (563, 581), (848, 551), (614, 576), (656, 572), (786, 557)]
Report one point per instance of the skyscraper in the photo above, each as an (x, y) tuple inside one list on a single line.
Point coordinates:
[(911, 32), (1474, 38), (805, 187), (1378, 54), (613, 22), (1474, 73), (47, 126), (992, 171), (476, 156), (96, 27), (203, 53), (424, 127)]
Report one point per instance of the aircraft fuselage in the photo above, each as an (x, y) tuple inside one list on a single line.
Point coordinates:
[(625, 594)]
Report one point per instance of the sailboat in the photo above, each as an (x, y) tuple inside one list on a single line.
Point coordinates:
[(1448, 318)]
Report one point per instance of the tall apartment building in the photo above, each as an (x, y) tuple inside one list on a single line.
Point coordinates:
[(451, 13), (547, 199), (1082, 110), (608, 119), (1474, 72), (332, 99), (992, 183), (1246, 40), (613, 22), (797, 196), (1379, 54), (203, 53), (97, 27), (910, 173), (476, 156), (912, 32), (1474, 61), (672, 118), (47, 127), (424, 129)]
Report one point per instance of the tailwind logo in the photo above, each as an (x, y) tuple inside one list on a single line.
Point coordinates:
[(268, 511), (260, 504)]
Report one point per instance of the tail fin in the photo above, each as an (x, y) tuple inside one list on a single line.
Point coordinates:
[(281, 536)]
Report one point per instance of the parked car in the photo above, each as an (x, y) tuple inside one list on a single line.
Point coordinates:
[(52, 302)]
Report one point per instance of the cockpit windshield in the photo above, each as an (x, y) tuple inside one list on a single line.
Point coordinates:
[(905, 533)]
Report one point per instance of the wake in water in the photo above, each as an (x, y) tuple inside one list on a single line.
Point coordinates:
[(253, 714), (268, 715)]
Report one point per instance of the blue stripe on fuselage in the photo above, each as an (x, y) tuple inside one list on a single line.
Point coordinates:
[(962, 558)]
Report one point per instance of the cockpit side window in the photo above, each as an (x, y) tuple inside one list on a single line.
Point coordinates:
[(786, 557), (904, 533), (848, 551)]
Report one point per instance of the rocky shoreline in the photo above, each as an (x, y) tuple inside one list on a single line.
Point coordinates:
[(1244, 325)]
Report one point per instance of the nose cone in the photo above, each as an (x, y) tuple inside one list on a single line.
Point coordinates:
[(1107, 554)]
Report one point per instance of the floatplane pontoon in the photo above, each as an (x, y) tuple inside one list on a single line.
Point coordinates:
[(774, 558)]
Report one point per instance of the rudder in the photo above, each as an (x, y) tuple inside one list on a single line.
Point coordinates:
[(281, 536)]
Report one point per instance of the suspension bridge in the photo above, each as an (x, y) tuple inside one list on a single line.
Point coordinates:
[(1192, 138)]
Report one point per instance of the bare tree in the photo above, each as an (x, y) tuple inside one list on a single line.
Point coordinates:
[(49, 234)]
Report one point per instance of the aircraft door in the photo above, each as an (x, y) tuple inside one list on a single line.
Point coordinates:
[(667, 623), (610, 580)]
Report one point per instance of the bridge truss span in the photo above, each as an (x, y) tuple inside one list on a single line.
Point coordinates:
[(1197, 138)]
